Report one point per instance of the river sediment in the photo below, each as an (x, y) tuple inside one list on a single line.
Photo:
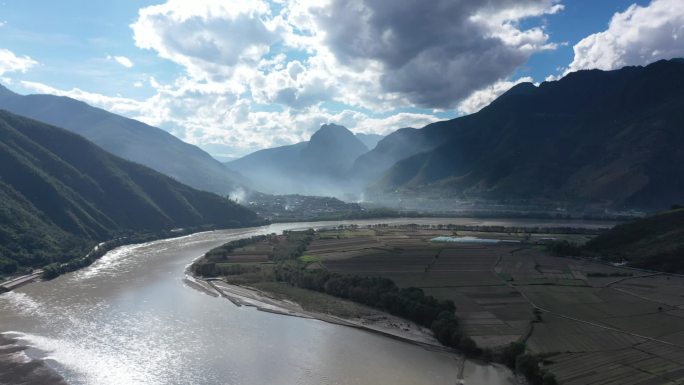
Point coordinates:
[(377, 322)]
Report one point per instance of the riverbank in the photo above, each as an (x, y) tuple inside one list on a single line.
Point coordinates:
[(16, 368), (150, 328), (284, 302), (353, 315)]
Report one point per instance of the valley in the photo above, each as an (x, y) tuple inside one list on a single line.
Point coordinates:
[(136, 294), (342, 192)]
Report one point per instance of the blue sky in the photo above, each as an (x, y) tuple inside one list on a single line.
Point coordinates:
[(236, 76)]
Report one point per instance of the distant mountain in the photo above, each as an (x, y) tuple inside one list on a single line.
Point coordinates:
[(127, 138), (58, 191), (369, 140), (655, 242), (399, 145), (316, 167), (612, 137)]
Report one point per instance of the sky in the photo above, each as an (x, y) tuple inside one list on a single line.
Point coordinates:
[(236, 76)]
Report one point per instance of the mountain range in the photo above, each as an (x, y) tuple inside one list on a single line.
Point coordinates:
[(606, 138), (58, 191), (610, 137), (128, 139)]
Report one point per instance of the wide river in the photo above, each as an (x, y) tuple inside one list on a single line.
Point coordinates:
[(130, 319)]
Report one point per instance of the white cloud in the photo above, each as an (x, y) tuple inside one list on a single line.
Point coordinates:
[(256, 75), (637, 36), (123, 60), (9, 62), (391, 123), (119, 105), (361, 53), (481, 98), (206, 37)]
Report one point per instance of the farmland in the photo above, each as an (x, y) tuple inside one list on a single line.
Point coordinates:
[(591, 322), (595, 323)]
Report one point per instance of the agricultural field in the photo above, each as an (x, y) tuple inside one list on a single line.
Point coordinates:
[(593, 322)]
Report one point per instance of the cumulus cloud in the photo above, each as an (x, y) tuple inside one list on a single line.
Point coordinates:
[(435, 53), (257, 73), (124, 61), (637, 36), (359, 52), (207, 37), (9, 62)]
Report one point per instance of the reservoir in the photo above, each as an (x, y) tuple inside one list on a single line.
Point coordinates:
[(130, 319)]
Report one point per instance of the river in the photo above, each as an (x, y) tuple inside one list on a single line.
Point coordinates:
[(130, 319)]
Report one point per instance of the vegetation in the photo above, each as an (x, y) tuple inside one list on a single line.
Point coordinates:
[(381, 293), (376, 292), (655, 242), (312, 300), (308, 259), (293, 273), (516, 357), (60, 195)]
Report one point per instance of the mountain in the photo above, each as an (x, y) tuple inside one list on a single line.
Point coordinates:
[(399, 145), (128, 139), (369, 140), (655, 242), (316, 167), (609, 137), (58, 191)]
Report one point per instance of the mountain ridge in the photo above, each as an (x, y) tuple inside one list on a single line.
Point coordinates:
[(127, 138), (59, 190), (592, 136)]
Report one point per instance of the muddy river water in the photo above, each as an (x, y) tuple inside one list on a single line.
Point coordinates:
[(130, 319)]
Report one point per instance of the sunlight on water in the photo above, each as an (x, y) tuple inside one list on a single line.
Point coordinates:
[(130, 319), (93, 366), (21, 303), (109, 264)]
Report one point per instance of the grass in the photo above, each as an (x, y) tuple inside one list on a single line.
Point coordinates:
[(308, 259), (314, 301)]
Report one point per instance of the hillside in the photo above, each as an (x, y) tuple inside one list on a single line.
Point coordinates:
[(316, 167), (59, 193), (399, 145), (128, 139), (655, 242), (609, 137)]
